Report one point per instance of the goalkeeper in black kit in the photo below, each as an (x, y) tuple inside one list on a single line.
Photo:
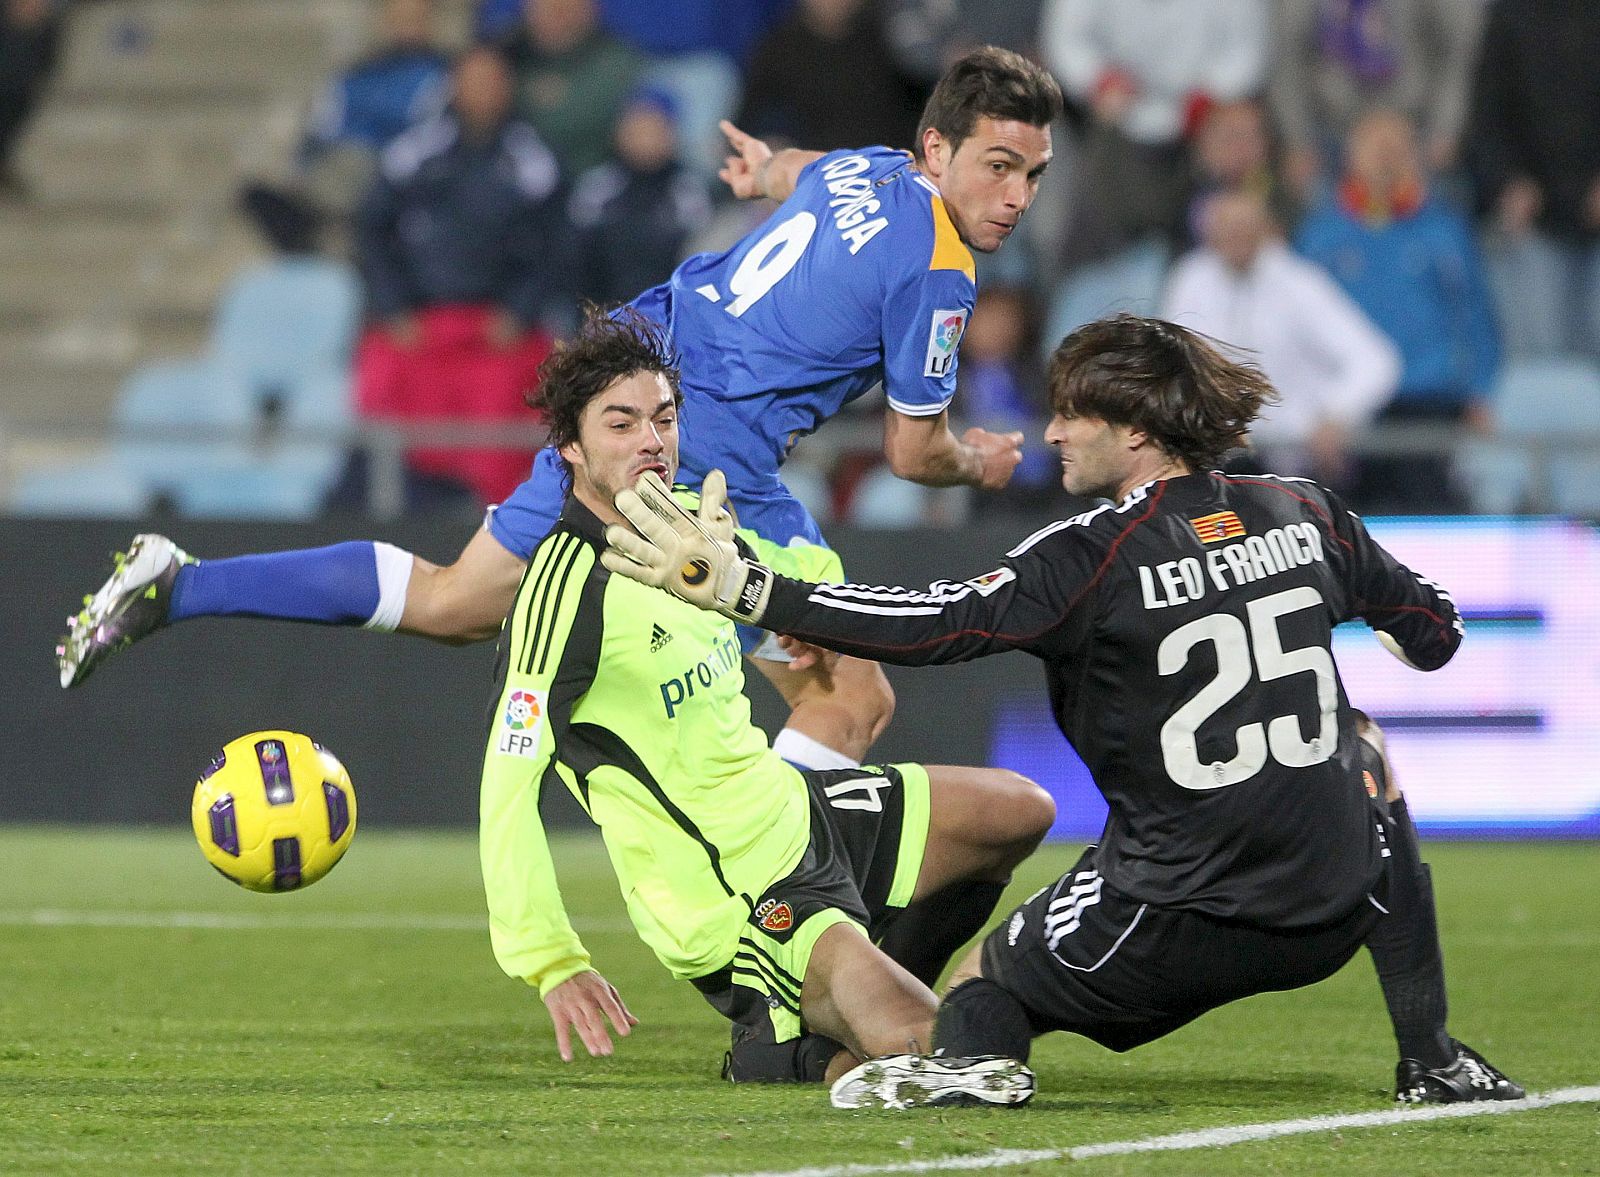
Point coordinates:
[(1256, 839)]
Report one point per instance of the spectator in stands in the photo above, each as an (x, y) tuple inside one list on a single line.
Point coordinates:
[(696, 50), (30, 46), (453, 241), (1000, 386), (632, 216), (1535, 156), (404, 80), (1331, 366), (824, 77), (1146, 71), (1335, 60), (1410, 262), (572, 78), (1233, 153)]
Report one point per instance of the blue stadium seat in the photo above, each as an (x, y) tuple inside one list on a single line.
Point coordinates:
[(1539, 398), (808, 485), (285, 473), (80, 490), (279, 352), (884, 501), (285, 320), (168, 398)]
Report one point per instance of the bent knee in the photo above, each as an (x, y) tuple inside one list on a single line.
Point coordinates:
[(1034, 809), (995, 807)]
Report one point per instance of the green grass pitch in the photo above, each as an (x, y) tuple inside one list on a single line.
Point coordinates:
[(155, 1019)]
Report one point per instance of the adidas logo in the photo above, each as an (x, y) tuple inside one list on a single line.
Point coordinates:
[(658, 638)]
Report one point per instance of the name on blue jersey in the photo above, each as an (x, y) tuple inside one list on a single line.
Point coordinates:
[(851, 199)]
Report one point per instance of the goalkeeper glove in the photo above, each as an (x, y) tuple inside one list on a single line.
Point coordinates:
[(693, 557)]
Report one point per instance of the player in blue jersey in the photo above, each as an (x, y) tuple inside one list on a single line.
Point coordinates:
[(863, 276)]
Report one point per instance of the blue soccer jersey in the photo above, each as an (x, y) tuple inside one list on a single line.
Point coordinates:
[(858, 278)]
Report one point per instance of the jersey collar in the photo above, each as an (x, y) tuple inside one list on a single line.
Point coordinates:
[(577, 517)]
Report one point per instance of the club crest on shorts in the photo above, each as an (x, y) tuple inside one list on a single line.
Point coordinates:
[(775, 915)]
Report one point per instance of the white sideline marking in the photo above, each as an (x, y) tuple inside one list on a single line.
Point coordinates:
[(1204, 1138), (47, 917)]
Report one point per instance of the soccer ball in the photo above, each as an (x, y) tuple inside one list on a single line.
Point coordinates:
[(274, 812)]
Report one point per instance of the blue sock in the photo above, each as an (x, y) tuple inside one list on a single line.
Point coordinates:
[(336, 585)]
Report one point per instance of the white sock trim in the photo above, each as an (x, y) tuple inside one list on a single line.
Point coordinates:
[(799, 748), (394, 579)]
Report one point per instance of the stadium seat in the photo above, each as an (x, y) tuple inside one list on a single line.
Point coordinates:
[(810, 486), (80, 490), (200, 432), (293, 461), (285, 320), (1536, 399), (884, 501), (171, 397)]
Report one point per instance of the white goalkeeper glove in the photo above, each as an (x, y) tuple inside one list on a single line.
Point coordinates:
[(693, 557)]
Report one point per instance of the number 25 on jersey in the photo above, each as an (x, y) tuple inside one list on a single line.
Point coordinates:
[(1246, 657)]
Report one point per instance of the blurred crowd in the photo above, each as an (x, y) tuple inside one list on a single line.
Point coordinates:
[(1388, 202)]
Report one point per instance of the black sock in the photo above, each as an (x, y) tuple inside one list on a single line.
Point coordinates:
[(1405, 950), (979, 1017), (924, 936)]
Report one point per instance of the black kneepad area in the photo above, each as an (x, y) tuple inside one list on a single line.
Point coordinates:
[(979, 1017), (756, 1058)]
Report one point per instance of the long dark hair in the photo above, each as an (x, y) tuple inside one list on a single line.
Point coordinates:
[(1168, 381)]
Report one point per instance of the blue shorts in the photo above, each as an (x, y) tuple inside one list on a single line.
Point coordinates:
[(528, 514)]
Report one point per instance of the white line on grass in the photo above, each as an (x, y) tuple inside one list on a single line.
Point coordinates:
[(47, 917), (1204, 1138)]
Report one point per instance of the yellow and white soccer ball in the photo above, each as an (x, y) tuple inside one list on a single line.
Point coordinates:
[(275, 811)]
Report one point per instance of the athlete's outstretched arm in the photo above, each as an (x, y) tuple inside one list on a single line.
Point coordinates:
[(1021, 605), (465, 601), (922, 449), (753, 171)]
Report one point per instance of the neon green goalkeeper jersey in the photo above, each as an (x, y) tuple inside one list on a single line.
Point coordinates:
[(634, 701)]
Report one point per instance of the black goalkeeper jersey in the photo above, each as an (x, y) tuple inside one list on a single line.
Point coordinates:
[(1186, 635)]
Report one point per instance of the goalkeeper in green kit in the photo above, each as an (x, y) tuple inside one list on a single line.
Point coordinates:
[(812, 909)]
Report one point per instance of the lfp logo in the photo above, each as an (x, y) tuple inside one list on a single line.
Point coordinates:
[(943, 338), (522, 723), (522, 711)]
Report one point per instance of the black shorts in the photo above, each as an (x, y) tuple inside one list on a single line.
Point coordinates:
[(869, 828), (1080, 957)]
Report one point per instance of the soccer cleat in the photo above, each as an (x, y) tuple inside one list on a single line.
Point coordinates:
[(131, 604), (1471, 1077), (920, 1080)]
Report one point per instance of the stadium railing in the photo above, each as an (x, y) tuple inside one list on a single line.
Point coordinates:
[(1536, 461)]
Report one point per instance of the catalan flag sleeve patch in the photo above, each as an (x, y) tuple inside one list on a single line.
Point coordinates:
[(1215, 528)]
